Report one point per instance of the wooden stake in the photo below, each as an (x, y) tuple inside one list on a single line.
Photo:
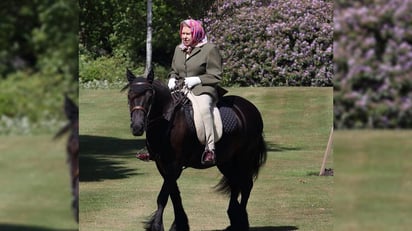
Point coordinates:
[(328, 148)]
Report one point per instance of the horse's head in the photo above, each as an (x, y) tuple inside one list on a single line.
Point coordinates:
[(72, 114), (140, 97)]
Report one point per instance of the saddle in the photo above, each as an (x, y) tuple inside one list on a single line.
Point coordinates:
[(198, 122), (225, 119)]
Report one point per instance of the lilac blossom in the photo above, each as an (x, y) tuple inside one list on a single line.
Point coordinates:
[(373, 58), (274, 43)]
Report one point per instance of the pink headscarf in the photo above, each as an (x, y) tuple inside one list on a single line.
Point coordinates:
[(198, 33)]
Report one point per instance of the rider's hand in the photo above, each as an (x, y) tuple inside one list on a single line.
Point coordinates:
[(172, 83), (190, 82)]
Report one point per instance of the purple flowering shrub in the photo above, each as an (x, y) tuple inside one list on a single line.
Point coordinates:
[(274, 43), (373, 64)]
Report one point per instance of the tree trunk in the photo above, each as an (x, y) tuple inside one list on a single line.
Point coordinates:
[(149, 38)]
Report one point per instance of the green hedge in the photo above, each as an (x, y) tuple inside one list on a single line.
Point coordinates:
[(33, 103), (110, 71)]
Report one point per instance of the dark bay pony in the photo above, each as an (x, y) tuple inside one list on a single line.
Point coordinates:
[(72, 147), (173, 145)]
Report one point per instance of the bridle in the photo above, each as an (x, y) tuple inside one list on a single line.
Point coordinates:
[(141, 107), (136, 108)]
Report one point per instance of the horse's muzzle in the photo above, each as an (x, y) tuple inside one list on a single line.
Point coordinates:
[(137, 130)]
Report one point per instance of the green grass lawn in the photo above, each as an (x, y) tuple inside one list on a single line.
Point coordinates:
[(373, 184), (118, 192), (35, 184)]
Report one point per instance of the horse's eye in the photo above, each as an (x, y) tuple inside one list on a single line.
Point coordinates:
[(130, 96)]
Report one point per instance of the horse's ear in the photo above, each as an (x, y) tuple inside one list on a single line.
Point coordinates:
[(129, 75), (150, 74), (71, 109)]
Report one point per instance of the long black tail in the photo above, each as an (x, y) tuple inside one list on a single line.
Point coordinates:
[(255, 150), (260, 156), (253, 128), (258, 159)]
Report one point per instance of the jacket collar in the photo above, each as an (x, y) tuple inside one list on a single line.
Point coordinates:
[(195, 49), (194, 52)]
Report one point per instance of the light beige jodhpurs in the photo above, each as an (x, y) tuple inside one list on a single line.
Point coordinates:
[(205, 106)]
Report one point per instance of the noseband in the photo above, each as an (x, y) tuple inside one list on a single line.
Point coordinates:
[(136, 108)]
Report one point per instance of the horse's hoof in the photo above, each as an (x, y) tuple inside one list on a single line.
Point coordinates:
[(174, 228), (153, 227)]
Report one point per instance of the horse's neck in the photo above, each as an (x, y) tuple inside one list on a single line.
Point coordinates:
[(162, 102)]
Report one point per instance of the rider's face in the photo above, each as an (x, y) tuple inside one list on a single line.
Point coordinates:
[(186, 36)]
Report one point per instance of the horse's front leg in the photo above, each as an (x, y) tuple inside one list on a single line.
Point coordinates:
[(181, 222), (156, 221), (171, 174)]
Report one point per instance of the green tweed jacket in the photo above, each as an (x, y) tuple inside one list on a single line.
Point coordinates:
[(205, 62)]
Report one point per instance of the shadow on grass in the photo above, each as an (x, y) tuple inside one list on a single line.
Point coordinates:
[(274, 228), (270, 228), (100, 156), (15, 227), (327, 172), (271, 147), (101, 145)]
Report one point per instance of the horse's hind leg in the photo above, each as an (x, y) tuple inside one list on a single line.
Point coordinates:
[(239, 184), (245, 190), (237, 211), (233, 210)]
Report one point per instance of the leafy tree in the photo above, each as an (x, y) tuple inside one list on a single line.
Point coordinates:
[(118, 28), (38, 60), (16, 48), (39, 35)]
